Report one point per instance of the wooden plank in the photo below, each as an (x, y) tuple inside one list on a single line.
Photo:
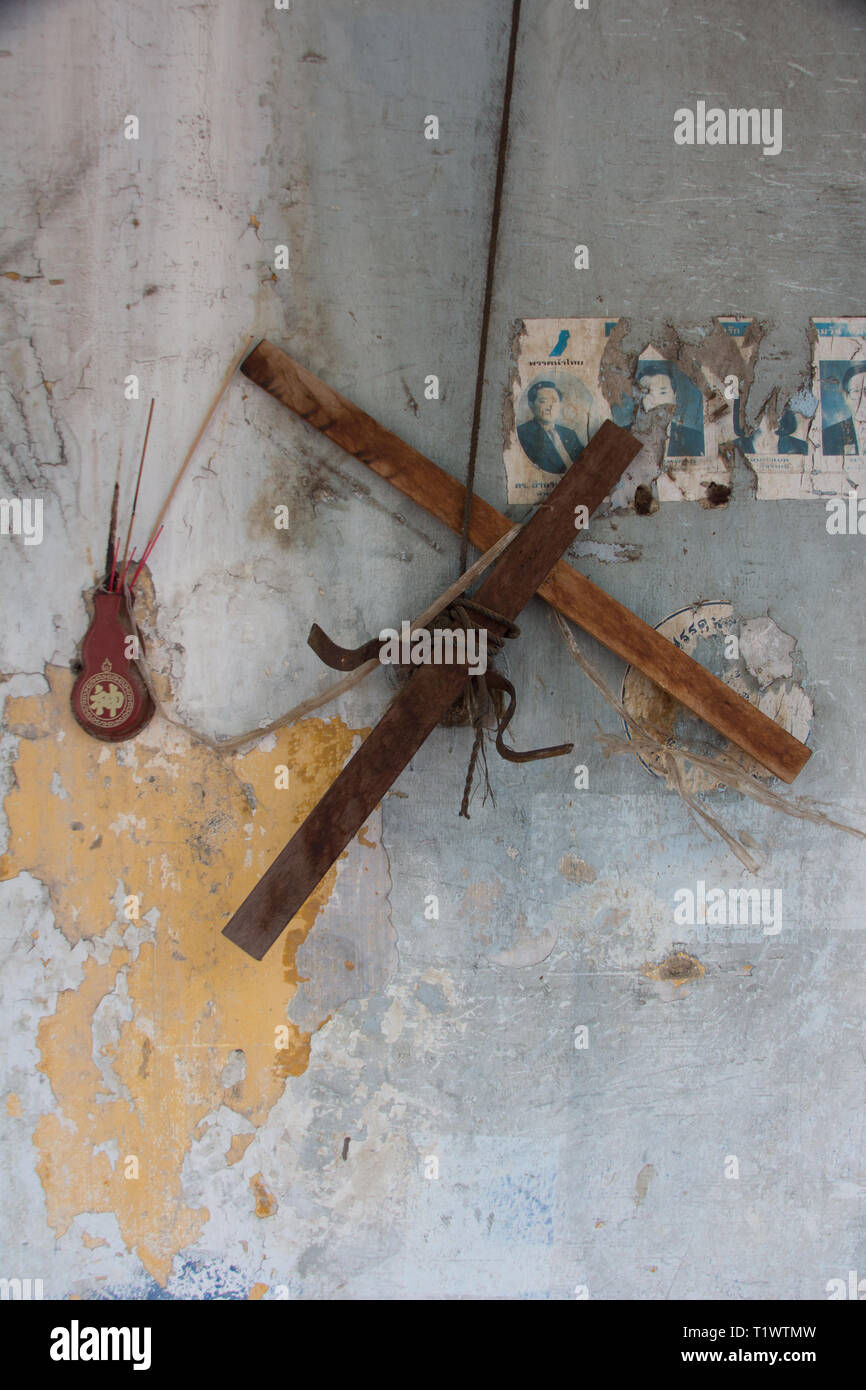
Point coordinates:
[(566, 589), (422, 702)]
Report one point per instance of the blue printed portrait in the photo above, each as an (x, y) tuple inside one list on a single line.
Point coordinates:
[(556, 422), (843, 407), (784, 439), (661, 384)]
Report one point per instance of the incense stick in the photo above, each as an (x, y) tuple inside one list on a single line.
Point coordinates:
[(111, 552), (126, 569), (137, 486), (226, 381), (148, 548), (109, 570)]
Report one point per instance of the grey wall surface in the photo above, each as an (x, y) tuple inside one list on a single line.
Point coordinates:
[(560, 1167)]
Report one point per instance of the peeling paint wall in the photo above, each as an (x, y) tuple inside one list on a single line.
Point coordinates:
[(487, 1059)]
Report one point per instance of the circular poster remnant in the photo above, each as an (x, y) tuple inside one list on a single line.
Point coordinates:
[(751, 655)]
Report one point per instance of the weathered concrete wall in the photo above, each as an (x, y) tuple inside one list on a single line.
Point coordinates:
[(285, 1116)]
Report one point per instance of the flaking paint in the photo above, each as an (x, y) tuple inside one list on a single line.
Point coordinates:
[(178, 831)]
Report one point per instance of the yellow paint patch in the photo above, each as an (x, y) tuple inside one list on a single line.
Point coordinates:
[(238, 1147), (177, 832), (13, 1104), (257, 1291), (92, 1242), (266, 1202)]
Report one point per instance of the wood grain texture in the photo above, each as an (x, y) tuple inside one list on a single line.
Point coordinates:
[(422, 702), (566, 589)]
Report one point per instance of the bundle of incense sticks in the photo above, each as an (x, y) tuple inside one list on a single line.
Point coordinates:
[(114, 575), (116, 566)]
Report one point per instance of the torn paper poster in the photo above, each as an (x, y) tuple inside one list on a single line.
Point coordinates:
[(685, 403), (557, 402), (570, 375), (810, 446), (751, 655), (667, 404), (839, 383), (780, 447)]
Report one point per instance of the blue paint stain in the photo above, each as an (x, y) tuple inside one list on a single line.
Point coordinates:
[(521, 1205), (190, 1280), (561, 341), (804, 403)]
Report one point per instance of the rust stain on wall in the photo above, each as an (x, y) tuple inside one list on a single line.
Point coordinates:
[(676, 969), (641, 1187), (576, 870), (173, 828), (266, 1202)]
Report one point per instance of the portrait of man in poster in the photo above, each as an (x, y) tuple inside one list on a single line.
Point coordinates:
[(550, 445), (844, 390), (661, 383)]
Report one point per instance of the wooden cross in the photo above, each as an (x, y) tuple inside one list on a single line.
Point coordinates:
[(531, 564)]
